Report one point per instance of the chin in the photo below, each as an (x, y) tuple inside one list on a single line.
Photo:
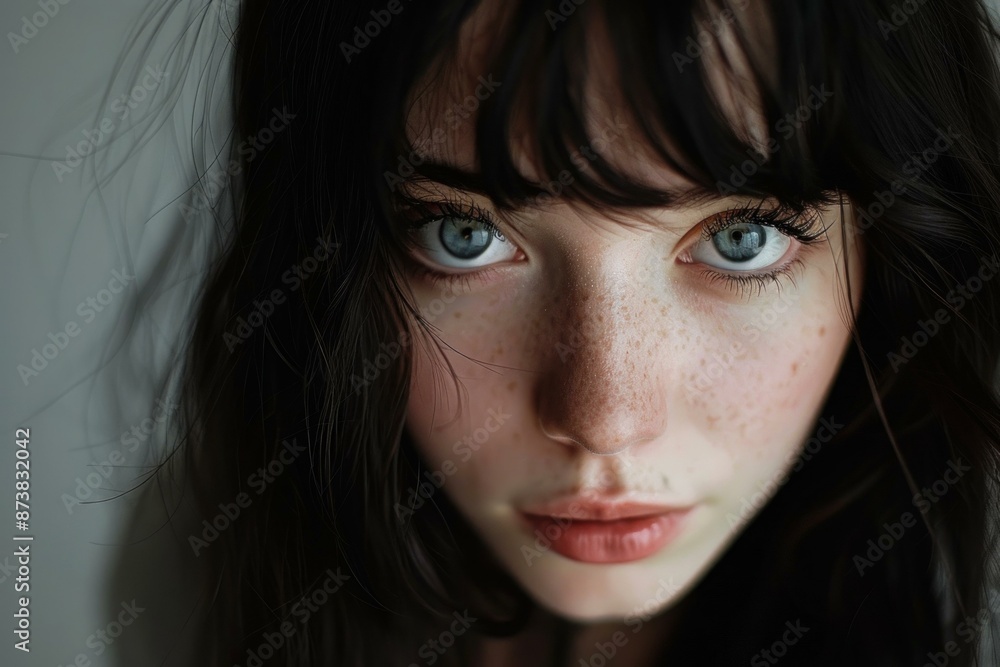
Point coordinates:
[(589, 593), (592, 603)]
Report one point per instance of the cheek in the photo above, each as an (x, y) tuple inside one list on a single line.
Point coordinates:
[(756, 387), (478, 431)]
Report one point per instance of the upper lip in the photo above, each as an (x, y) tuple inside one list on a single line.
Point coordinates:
[(586, 508)]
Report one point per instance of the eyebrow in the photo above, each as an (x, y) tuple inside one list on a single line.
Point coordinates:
[(473, 182)]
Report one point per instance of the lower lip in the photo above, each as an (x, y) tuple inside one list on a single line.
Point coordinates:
[(619, 541)]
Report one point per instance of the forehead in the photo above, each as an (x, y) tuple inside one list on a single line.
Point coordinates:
[(445, 105)]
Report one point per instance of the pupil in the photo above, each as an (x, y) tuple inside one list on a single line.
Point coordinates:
[(740, 242), (465, 239)]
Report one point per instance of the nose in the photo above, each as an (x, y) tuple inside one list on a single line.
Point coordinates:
[(601, 389)]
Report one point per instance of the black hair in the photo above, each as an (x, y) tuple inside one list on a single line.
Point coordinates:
[(899, 76)]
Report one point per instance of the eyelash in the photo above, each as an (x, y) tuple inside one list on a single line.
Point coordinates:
[(806, 228), (803, 227), (444, 209)]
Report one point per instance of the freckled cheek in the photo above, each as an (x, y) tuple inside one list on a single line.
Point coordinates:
[(765, 392), (478, 330)]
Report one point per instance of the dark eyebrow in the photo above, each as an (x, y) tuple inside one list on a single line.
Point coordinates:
[(473, 182)]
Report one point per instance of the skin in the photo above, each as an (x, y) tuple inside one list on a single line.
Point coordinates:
[(624, 369)]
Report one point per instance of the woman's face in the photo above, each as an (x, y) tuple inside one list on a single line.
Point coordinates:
[(628, 395)]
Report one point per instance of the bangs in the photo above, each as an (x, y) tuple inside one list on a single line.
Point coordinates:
[(635, 104)]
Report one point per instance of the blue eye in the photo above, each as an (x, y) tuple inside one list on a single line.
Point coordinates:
[(465, 238), (741, 242), (456, 238), (742, 247), (748, 240)]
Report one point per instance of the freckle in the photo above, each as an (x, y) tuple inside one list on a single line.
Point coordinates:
[(822, 331), (516, 437), (512, 386), (458, 316), (663, 310), (795, 367)]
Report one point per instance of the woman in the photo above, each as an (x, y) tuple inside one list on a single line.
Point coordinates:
[(596, 333)]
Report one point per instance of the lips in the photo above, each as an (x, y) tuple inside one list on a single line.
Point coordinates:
[(603, 531)]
